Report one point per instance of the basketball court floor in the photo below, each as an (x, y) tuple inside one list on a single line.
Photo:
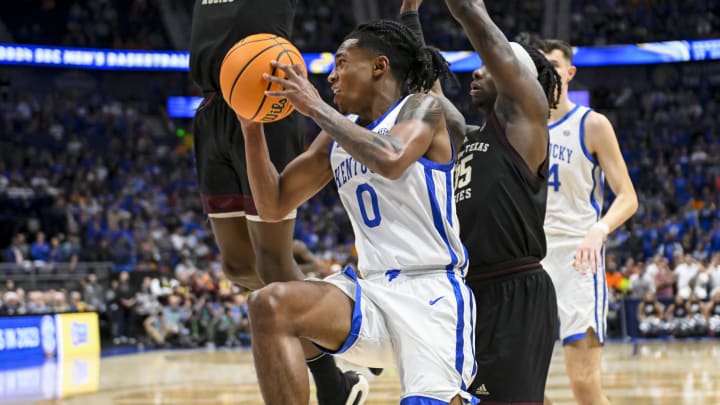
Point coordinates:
[(645, 373)]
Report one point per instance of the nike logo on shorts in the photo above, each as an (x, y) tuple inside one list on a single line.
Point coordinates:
[(433, 302)]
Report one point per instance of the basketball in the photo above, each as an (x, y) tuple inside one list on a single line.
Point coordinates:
[(241, 81)]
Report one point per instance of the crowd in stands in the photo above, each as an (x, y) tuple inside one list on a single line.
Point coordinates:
[(320, 25), (134, 24), (202, 309), (679, 297), (630, 21)]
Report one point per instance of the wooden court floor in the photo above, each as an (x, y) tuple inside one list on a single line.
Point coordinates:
[(647, 373)]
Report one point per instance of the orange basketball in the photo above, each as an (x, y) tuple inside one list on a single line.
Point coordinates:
[(241, 82)]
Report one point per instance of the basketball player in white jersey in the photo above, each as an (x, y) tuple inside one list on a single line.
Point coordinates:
[(583, 152), (391, 159)]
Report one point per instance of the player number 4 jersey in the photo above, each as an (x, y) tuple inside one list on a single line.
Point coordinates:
[(406, 224), (575, 180)]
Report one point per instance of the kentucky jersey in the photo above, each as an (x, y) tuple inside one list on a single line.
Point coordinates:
[(406, 224), (575, 180)]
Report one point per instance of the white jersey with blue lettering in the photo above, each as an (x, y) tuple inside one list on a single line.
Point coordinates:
[(575, 180), (575, 197), (407, 224)]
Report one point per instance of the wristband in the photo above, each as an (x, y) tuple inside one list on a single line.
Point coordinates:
[(602, 226), (411, 19)]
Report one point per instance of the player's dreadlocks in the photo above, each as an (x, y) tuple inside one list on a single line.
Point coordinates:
[(547, 75), (414, 65)]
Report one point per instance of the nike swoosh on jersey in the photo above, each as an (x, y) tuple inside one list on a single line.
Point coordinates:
[(433, 302)]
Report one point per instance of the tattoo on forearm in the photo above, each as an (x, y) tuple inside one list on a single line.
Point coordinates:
[(367, 148)]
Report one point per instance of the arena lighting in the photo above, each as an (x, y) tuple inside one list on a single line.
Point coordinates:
[(321, 63)]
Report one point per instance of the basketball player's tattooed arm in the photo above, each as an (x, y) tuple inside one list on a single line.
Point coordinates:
[(407, 141), (521, 100), (389, 156)]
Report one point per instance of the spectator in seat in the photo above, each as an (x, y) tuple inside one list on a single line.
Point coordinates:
[(174, 316), (685, 271), (195, 328), (77, 304), (698, 323), (641, 282), (649, 315), (712, 313), (223, 328), (664, 280), (94, 293), (156, 329), (40, 249), (12, 305), (59, 302), (677, 318), (17, 252), (37, 304), (714, 272)]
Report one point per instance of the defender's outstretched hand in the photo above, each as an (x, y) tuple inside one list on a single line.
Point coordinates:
[(296, 87)]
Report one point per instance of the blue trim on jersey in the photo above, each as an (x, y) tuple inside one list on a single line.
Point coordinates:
[(605, 291), (449, 202), (437, 217), (371, 126), (598, 329), (587, 153), (594, 203), (356, 322), (459, 336), (573, 338), (565, 118), (429, 164)]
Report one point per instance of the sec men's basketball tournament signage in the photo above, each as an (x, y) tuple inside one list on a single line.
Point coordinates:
[(321, 63), (32, 339)]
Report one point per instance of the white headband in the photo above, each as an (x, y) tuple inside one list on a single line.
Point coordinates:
[(524, 57)]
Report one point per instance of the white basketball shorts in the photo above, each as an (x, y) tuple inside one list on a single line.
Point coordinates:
[(582, 298), (420, 322)]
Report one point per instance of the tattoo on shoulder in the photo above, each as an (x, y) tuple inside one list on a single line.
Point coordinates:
[(422, 107)]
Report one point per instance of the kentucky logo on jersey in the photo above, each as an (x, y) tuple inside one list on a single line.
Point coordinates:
[(347, 169), (560, 152)]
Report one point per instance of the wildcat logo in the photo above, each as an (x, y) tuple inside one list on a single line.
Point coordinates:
[(275, 110)]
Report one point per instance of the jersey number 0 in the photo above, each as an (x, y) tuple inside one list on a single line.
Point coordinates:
[(362, 191)]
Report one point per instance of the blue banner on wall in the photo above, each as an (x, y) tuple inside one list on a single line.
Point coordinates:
[(321, 63), (182, 107), (27, 338)]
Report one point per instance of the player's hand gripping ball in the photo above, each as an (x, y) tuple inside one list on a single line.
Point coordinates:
[(241, 77)]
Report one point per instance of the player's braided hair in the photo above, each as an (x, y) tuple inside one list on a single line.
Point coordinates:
[(547, 75), (415, 66)]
